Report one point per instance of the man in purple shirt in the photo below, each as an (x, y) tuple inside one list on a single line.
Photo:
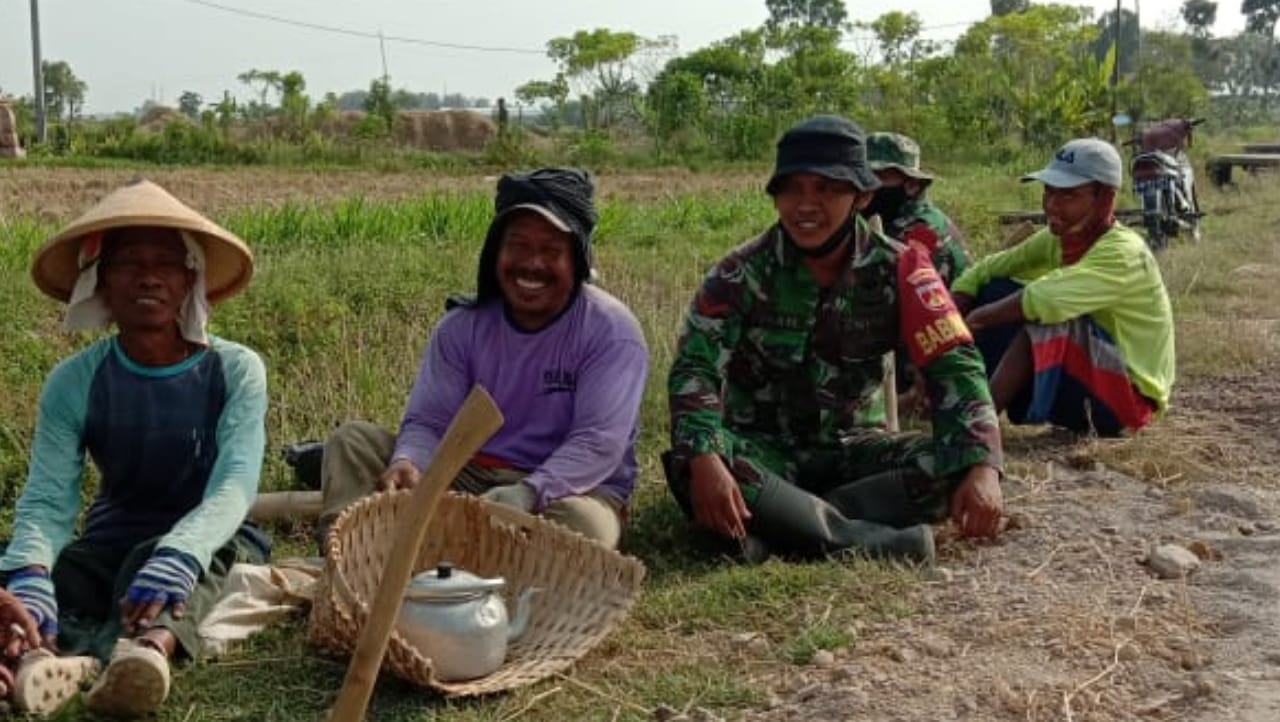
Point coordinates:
[(565, 361)]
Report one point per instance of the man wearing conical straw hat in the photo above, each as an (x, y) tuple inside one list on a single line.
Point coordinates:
[(173, 419)]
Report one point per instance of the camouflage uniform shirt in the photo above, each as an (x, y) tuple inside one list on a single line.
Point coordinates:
[(766, 353), (922, 222)]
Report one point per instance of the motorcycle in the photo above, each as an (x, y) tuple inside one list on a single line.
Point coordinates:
[(1164, 182)]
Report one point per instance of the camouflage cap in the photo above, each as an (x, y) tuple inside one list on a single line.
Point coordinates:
[(897, 151)]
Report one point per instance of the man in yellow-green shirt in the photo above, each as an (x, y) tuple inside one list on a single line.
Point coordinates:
[(1074, 323)]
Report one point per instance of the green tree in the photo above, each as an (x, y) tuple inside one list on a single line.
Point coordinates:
[(1200, 15), (555, 91), (1000, 8), (265, 81), (189, 104), (1027, 75), (63, 91), (378, 103), (896, 32), (294, 104), (829, 14), (599, 63), (225, 112), (1261, 16), (1129, 35), (1165, 84)]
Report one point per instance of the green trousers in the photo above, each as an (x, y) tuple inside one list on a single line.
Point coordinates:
[(357, 453), (90, 580)]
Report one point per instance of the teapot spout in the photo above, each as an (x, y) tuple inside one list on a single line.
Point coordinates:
[(520, 621)]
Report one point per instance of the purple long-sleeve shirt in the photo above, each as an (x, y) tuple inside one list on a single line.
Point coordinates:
[(570, 393)]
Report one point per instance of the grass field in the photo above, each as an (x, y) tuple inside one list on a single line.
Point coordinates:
[(348, 287)]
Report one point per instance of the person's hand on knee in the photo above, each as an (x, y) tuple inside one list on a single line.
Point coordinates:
[(402, 474), (717, 501), (164, 582), (519, 495)]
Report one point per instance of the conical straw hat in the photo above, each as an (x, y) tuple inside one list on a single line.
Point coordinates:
[(228, 261)]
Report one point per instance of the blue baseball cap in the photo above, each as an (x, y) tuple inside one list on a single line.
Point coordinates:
[(1080, 161)]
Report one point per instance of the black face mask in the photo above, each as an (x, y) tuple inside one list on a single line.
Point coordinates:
[(886, 203), (832, 243)]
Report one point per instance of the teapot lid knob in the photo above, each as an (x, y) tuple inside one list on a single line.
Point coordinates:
[(444, 570)]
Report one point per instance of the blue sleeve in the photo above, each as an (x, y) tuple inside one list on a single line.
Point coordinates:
[(233, 482), (45, 516), (438, 392)]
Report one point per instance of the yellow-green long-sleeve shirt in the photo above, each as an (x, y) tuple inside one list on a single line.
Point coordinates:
[(1117, 283)]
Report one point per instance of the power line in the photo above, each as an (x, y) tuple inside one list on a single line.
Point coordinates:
[(361, 34)]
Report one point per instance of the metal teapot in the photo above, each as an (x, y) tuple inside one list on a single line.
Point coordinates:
[(460, 622)]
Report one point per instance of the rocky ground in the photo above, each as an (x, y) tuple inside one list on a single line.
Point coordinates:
[(1110, 598)]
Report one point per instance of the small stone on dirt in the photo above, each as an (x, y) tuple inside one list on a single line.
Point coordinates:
[(1266, 527), (807, 693), (901, 654), (1204, 551), (702, 714), (823, 659), (1190, 660), (665, 713), (759, 645), (742, 640), (1231, 501), (940, 575), (935, 646), (842, 673), (1017, 520), (1172, 561)]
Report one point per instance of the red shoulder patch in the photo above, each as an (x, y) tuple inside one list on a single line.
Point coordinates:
[(930, 323), (920, 232)]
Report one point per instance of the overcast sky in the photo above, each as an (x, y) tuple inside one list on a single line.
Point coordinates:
[(128, 51)]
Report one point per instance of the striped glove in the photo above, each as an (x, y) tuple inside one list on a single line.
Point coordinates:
[(34, 589), (168, 576)]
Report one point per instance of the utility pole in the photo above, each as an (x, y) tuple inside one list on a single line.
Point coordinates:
[(382, 45), (37, 71), (1115, 75)]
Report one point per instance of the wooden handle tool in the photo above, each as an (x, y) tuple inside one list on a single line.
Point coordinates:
[(474, 423)]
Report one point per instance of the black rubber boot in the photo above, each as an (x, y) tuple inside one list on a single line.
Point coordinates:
[(791, 519), (881, 498)]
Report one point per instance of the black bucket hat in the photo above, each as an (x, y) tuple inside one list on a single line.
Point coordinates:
[(563, 196), (828, 145)]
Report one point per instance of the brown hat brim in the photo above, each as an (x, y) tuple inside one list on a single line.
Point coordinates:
[(228, 260)]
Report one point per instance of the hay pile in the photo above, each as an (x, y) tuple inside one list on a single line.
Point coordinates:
[(9, 147), (444, 129), (158, 117)]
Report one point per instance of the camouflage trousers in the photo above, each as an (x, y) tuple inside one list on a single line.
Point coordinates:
[(902, 462)]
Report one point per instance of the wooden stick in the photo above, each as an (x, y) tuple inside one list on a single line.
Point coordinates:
[(1018, 234), (891, 392), (475, 422), (890, 381), (286, 504)]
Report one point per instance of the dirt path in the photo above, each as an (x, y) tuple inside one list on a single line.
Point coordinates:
[(1062, 619)]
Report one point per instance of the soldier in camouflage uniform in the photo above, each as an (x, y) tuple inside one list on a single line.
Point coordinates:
[(776, 418), (904, 207)]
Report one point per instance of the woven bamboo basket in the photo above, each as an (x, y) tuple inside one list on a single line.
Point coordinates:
[(586, 588)]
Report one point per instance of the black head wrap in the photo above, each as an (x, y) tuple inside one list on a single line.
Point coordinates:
[(564, 196)]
